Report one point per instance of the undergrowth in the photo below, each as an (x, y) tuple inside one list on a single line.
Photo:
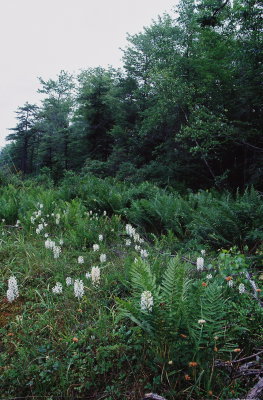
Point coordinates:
[(148, 317)]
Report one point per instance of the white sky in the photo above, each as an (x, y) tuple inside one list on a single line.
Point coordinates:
[(38, 38)]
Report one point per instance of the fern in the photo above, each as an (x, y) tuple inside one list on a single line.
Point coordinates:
[(142, 277), (214, 334), (176, 292), (173, 283), (129, 310)]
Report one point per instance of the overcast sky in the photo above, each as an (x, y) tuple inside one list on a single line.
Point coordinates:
[(38, 38)]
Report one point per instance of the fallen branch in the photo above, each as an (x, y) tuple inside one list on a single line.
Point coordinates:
[(226, 364), (13, 226), (248, 372), (256, 391), (153, 396)]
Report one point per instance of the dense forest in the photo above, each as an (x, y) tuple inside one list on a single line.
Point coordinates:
[(185, 110)]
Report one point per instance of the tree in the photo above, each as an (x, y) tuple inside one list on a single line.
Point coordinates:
[(23, 135), (94, 115), (54, 123)]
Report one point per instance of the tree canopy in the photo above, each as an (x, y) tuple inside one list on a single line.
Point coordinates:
[(186, 107)]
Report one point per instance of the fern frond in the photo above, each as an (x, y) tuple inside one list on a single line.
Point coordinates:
[(176, 291), (142, 277), (128, 310), (212, 309)]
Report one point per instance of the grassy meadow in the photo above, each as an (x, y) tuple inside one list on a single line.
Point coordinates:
[(110, 290)]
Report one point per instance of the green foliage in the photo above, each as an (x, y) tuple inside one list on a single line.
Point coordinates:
[(185, 110), (228, 221), (103, 343), (196, 220), (9, 204), (189, 322)]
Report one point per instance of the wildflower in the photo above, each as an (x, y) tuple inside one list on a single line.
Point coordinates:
[(32, 219), (100, 238), (12, 284), (78, 288), (49, 244), (209, 276), (130, 230), (95, 275), (17, 223), (128, 242), (56, 251), (146, 301), (80, 260), (241, 288), (137, 248), (37, 231), (170, 362), (200, 263), (230, 283), (57, 219), (57, 289), (136, 237), (10, 295), (96, 247), (61, 242), (104, 213), (41, 206), (88, 275), (203, 252), (46, 235), (144, 253), (12, 291), (103, 258), (201, 321), (68, 281), (192, 364)]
